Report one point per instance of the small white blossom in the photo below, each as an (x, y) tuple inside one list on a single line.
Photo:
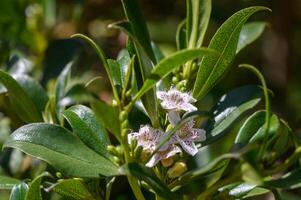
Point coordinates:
[(176, 100), (147, 137), (163, 154), (187, 135)]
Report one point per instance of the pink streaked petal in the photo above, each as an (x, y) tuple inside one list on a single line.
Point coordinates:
[(154, 160), (168, 105), (161, 95), (189, 147), (187, 107), (173, 117), (201, 134), (172, 150), (132, 136)]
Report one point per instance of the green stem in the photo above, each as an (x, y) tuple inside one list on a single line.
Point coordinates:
[(267, 106), (103, 58), (132, 180)]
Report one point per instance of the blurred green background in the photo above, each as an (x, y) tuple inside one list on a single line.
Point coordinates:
[(38, 32)]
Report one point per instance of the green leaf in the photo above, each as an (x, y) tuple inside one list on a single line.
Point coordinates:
[(124, 61), (21, 101), (108, 116), (253, 128), (224, 41), (34, 190), (169, 63), (72, 188), (8, 182), (229, 108), (85, 125), (115, 71), (213, 166), (287, 181), (34, 90), (61, 149), (199, 20), (138, 26), (244, 190), (61, 85), (249, 33), (145, 174), (19, 192)]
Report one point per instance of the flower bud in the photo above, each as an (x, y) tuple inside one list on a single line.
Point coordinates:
[(177, 170), (128, 93), (111, 149), (175, 80), (119, 150), (167, 162), (125, 124), (123, 116)]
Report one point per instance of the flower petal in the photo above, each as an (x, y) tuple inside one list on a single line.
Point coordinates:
[(173, 117), (187, 107), (161, 95), (189, 147), (154, 160)]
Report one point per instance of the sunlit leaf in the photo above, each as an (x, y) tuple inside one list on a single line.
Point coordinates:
[(249, 33), (8, 182), (224, 41), (85, 125), (61, 149)]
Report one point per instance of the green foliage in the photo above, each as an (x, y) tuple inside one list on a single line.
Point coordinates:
[(224, 41), (61, 149)]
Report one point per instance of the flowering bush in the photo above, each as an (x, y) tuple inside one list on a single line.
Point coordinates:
[(165, 158)]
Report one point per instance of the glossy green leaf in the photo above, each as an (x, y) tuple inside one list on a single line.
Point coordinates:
[(290, 180), (253, 128), (243, 190), (85, 125), (145, 174), (199, 20), (21, 101), (61, 149), (124, 60), (108, 116), (8, 182), (229, 108), (224, 41), (34, 190), (34, 90), (72, 188), (19, 192), (61, 85), (169, 63), (213, 166), (138, 26), (249, 33), (115, 70)]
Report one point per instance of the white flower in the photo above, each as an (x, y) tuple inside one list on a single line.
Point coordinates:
[(176, 100), (163, 154), (147, 137), (187, 135)]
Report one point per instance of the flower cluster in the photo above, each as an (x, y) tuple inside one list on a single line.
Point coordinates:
[(149, 138)]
